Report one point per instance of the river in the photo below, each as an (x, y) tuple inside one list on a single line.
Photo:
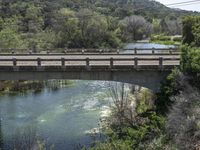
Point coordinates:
[(129, 48), (62, 118)]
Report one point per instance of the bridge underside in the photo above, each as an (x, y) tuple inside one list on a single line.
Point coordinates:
[(149, 78)]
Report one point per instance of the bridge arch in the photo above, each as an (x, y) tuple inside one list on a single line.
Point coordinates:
[(150, 79)]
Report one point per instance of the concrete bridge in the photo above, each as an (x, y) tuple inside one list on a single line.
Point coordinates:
[(144, 69)]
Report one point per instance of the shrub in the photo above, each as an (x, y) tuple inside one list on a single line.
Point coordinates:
[(177, 39), (191, 30), (160, 38), (190, 59)]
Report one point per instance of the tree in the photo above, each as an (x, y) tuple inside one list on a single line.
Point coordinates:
[(68, 28), (9, 36), (95, 30), (135, 28), (171, 26)]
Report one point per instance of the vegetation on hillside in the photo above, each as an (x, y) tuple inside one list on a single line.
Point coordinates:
[(83, 23)]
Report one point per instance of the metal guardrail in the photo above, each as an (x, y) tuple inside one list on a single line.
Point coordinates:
[(111, 62)]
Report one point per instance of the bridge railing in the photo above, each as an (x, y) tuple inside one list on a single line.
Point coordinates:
[(88, 62), (153, 51)]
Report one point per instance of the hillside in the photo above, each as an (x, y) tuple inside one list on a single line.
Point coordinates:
[(83, 23), (123, 8)]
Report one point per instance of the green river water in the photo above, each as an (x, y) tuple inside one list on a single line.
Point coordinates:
[(63, 118)]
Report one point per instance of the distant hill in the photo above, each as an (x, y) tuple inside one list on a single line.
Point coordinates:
[(123, 8), (116, 8)]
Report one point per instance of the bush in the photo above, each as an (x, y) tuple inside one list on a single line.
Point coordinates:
[(190, 59), (169, 88), (183, 119), (191, 30), (160, 38), (177, 39)]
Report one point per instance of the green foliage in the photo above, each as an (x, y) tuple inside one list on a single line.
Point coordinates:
[(190, 63), (134, 138), (168, 89), (177, 39), (191, 30), (145, 101), (9, 36), (60, 24), (190, 59), (166, 40), (160, 38), (145, 125)]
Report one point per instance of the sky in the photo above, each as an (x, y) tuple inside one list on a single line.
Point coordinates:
[(194, 7)]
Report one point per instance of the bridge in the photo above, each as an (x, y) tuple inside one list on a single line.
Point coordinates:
[(145, 69)]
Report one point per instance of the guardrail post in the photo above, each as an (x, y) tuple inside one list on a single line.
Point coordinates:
[(153, 50), (87, 63), (136, 62), (111, 62), (135, 50), (14, 62), (170, 50), (38, 62), (66, 51), (100, 51), (15, 67), (117, 51), (160, 62), (63, 62), (30, 52), (83, 51), (13, 51)]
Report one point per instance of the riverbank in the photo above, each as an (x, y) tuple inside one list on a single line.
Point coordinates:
[(14, 87), (166, 40)]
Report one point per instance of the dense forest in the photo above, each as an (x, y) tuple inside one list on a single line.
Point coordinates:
[(83, 23)]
